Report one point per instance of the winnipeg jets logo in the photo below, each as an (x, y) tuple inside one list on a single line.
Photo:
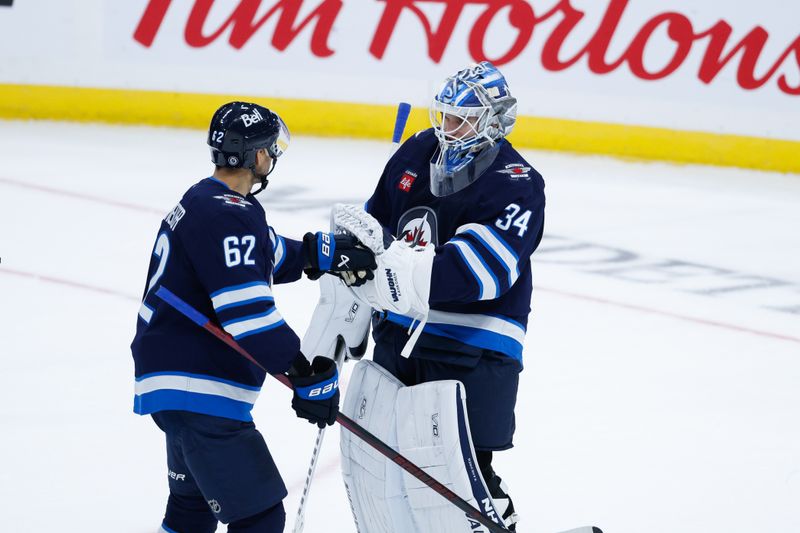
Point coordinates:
[(417, 232), (516, 171), (232, 199), (417, 227)]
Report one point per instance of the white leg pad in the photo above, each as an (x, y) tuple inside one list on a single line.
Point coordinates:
[(433, 433), (427, 424), (374, 484)]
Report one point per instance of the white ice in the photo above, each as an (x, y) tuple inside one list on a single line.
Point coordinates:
[(644, 406)]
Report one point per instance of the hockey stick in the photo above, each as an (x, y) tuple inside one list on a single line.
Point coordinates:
[(300, 520), (403, 110), (381, 447)]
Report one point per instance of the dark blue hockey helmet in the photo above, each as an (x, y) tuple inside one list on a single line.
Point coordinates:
[(239, 129)]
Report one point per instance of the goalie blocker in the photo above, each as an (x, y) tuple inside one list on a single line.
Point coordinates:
[(433, 433)]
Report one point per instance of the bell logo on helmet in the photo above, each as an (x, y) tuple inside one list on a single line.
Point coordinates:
[(249, 120)]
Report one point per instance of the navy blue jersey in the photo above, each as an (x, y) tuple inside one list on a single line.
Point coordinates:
[(216, 251), (484, 236)]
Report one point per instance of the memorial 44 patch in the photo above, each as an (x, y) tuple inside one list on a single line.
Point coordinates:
[(232, 199), (516, 171)]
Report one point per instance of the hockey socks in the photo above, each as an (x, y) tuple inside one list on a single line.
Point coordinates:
[(188, 514), (270, 521)]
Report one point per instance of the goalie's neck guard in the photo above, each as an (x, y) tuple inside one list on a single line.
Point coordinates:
[(447, 179)]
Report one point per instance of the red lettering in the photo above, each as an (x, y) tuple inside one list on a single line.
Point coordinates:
[(520, 17), (437, 39), (596, 49), (679, 30), (783, 82), (243, 23), (151, 22), (751, 47)]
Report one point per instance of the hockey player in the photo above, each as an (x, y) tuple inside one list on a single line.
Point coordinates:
[(467, 212), (216, 251)]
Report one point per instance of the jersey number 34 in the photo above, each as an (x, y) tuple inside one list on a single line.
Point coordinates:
[(511, 219)]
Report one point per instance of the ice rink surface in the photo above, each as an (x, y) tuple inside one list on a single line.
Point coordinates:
[(661, 390)]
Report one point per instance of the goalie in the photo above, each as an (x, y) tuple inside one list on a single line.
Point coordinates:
[(463, 212)]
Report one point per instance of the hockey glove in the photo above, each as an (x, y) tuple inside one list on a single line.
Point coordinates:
[(341, 255), (316, 390), (339, 318)]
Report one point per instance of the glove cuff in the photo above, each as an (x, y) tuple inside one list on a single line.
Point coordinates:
[(320, 385), (300, 367), (321, 390)]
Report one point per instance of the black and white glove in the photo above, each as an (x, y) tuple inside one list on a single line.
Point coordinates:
[(316, 389), (341, 255)]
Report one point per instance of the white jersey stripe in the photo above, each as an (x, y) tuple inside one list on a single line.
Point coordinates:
[(494, 324), (494, 244), (250, 324), (489, 289), (279, 250), (240, 294), (146, 313), (195, 384)]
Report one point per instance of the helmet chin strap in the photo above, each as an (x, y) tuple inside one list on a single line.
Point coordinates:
[(262, 178)]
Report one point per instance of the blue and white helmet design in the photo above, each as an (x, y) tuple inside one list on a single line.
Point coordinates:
[(473, 109)]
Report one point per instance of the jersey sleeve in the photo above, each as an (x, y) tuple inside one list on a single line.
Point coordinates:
[(484, 259), (288, 258), (233, 261), (379, 204)]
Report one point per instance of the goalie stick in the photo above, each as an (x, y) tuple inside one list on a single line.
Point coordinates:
[(300, 519), (381, 447), (403, 110)]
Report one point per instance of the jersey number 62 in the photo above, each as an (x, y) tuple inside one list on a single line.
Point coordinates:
[(233, 247)]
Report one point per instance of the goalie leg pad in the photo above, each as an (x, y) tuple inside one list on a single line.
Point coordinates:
[(433, 432), (374, 484)]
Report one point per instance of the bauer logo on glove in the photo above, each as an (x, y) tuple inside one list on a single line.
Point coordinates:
[(341, 255), (319, 393)]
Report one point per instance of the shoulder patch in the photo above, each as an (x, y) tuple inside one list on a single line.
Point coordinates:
[(233, 199), (407, 180), (516, 171)]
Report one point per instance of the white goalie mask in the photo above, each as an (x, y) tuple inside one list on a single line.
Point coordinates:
[(473, 110)]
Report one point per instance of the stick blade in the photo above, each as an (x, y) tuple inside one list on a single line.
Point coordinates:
[(585, 529)]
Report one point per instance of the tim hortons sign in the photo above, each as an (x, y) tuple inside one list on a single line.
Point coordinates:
[(671, 30)]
